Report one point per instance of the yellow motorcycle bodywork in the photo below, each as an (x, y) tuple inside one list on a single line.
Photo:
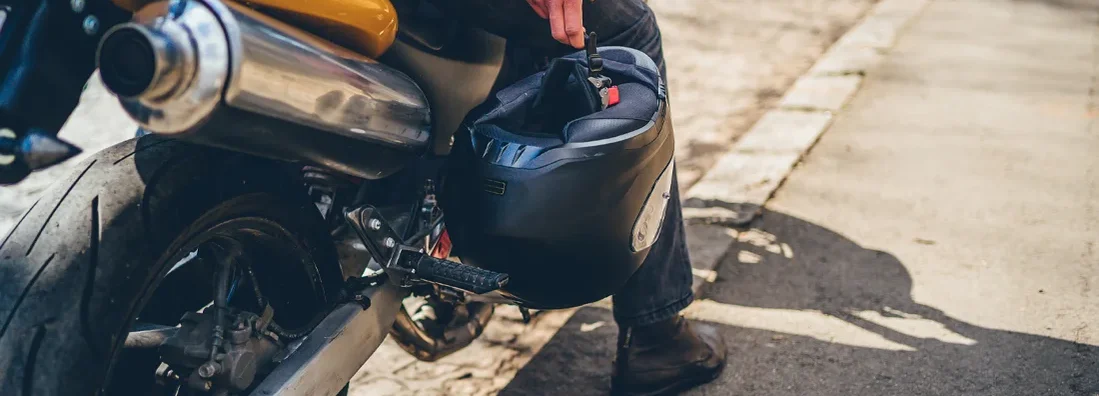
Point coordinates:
[(365, 26)]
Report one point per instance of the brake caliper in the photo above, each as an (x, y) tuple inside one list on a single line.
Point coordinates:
[(249, 349)]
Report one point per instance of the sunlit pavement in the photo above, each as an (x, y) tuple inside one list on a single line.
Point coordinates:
[(938, 240)]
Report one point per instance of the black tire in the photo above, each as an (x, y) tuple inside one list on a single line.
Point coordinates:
[(79, 265)]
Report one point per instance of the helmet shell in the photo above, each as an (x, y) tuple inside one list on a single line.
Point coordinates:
[(570, 216)]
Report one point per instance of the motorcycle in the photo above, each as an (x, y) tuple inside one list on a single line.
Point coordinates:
[(276, 220)]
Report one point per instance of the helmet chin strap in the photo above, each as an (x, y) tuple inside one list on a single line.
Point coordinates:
[(595, 61), (595, 70)]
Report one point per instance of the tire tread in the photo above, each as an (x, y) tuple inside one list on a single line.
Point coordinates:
[(89, 280), (55, 207), (70, 291), (23, 295), (12, 232), (32, 358), (72, 331)]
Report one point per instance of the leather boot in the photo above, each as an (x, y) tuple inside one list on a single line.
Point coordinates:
[(666, 358)]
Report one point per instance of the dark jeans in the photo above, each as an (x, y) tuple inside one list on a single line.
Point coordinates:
[(662, 286)]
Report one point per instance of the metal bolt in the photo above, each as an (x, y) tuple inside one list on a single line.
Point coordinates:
[(207, 385), (375, 224), (77, 5), (389, 242), (207, 370), (91, 25)]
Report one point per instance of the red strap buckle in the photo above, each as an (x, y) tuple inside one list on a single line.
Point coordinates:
[(612, 96)]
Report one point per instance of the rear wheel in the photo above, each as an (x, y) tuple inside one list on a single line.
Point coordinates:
[(137, 236)]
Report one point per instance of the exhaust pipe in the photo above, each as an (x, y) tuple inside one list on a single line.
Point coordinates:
[(427, 347), (222, 74)]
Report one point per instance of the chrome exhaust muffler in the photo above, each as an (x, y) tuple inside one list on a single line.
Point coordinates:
[(223, 74)]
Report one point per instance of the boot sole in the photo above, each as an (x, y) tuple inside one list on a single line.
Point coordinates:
[(680, 386)]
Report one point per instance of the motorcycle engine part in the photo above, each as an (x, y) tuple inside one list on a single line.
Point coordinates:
[(225, 75), (451, 337), (249, 348), (411, 265), (575, 207)]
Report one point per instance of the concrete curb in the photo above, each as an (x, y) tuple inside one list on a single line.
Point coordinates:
[(734, 190)]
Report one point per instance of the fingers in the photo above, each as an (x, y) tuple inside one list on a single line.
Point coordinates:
[(567, 21), (539, 7), (557, 20), (574, 22)]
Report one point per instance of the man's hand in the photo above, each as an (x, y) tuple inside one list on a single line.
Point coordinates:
[(566, 18)]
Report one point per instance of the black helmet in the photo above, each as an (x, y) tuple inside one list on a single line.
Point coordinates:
[(562, 179)]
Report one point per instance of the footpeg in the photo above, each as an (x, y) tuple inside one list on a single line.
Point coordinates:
[(411, 265), (443, 272)]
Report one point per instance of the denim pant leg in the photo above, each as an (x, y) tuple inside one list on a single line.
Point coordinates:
[(662, 286)]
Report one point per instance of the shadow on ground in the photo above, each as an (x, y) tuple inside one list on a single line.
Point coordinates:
[(786, 267)]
